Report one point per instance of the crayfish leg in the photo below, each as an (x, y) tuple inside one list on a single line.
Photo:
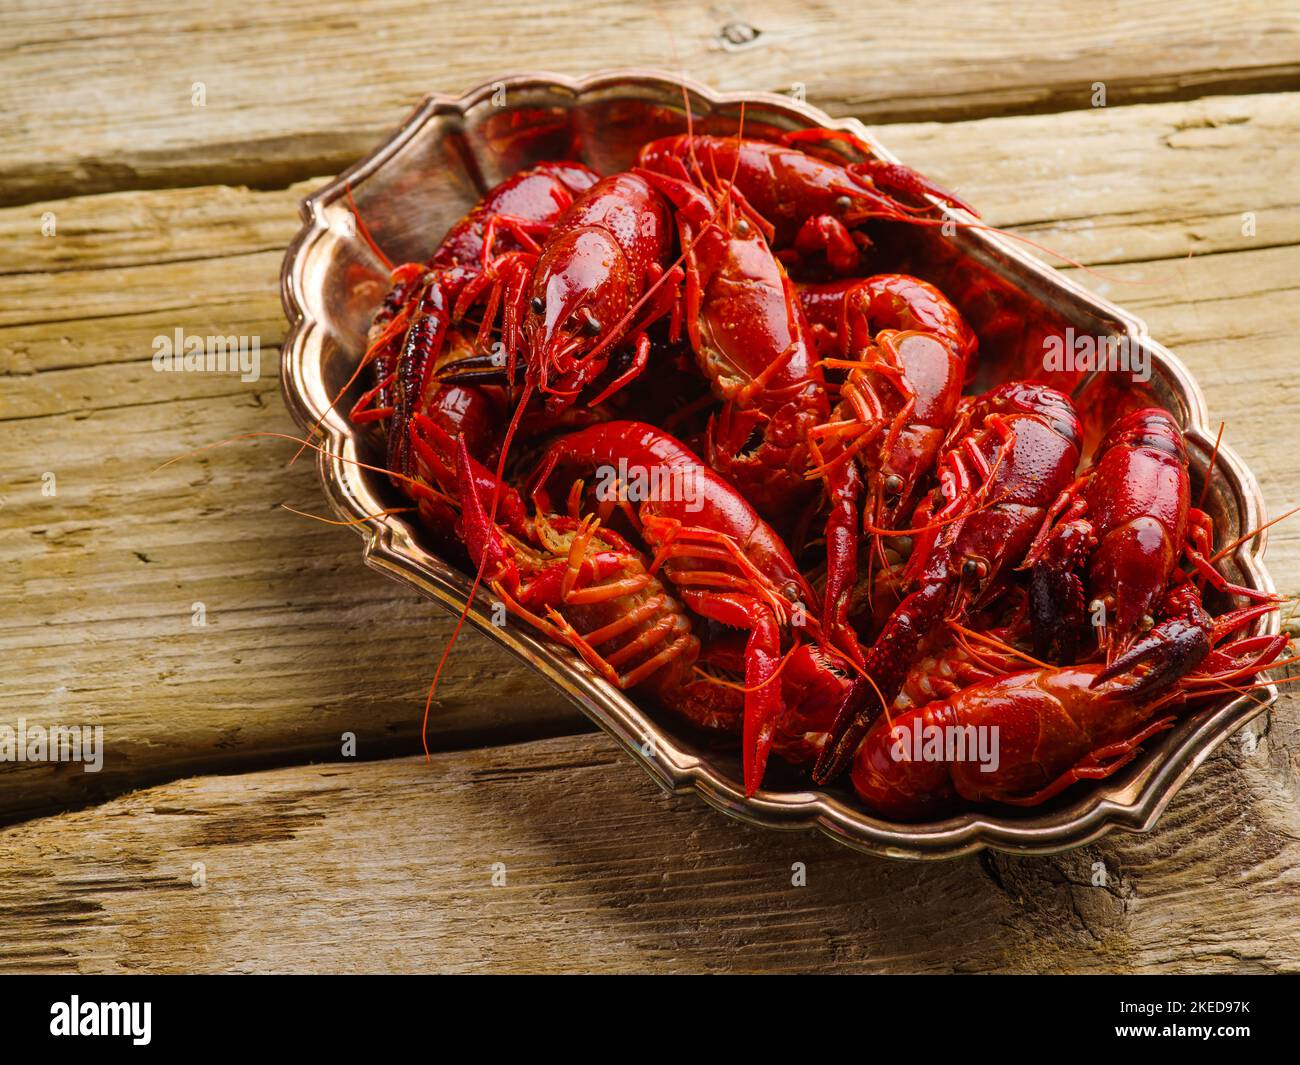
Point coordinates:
[(763, 704)]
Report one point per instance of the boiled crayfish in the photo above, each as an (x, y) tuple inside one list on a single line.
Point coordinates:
[(658, 411)]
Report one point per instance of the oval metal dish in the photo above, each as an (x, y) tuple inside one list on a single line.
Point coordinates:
[(431, 170)]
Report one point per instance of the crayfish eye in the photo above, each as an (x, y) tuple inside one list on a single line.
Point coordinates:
[(843, 202), (974, 568), (893, 484), (590, 323), (537, 304)]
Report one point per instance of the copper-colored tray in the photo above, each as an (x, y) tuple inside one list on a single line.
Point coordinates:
[(437, 164)]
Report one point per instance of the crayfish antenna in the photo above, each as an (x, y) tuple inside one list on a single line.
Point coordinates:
[(1209, 469), (364, 230), (482, 524), (1227, 549), (993, 645)]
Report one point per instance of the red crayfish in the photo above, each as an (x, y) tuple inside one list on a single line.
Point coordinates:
[(710, 562)]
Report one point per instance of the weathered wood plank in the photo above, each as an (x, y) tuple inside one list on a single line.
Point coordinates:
[(301, 643), (1126, 184), (99, 97), (300, 637), (389, 867)]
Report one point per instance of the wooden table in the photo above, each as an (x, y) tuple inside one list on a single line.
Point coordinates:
[(150, 166)]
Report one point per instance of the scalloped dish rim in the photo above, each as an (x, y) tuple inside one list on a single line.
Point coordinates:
[(392, 546)]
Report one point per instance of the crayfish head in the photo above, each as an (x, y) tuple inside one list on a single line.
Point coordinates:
[(579, 296), (972, 578), (1129, 572), (895, 496)]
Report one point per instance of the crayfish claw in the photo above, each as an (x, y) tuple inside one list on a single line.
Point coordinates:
[(1177, 647), (857, 713), (473, 369), (1056, 612)]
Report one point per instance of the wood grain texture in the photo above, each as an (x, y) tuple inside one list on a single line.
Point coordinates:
[(99, 95), (303, 643), (174, 216), (388, 867)]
